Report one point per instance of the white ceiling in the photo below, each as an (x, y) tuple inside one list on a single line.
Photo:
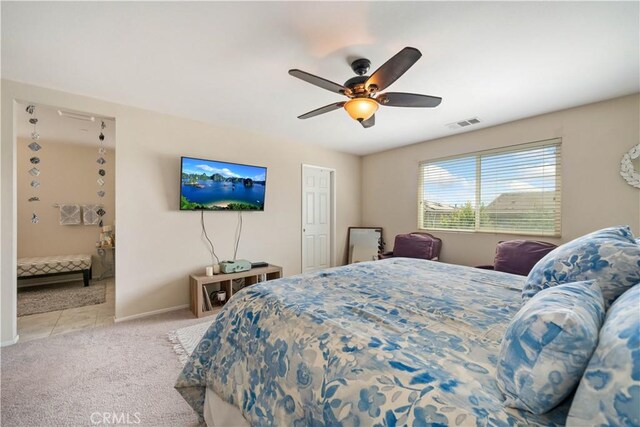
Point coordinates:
[(52, 127), (226, 63)]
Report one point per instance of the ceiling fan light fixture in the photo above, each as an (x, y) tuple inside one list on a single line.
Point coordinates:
[(361, 108)]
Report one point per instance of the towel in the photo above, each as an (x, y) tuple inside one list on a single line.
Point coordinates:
[(70, 215), (90, 214)]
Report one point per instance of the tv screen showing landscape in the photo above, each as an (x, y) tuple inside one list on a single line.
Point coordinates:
[(220, 186)]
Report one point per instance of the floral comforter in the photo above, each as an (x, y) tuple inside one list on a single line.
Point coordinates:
[(392, 342)]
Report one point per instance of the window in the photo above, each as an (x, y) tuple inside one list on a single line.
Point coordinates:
[(510, 190)]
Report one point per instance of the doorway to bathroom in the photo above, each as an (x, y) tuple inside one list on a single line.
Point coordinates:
[(66, 237)]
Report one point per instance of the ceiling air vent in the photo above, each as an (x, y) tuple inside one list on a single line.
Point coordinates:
[(464, 123)]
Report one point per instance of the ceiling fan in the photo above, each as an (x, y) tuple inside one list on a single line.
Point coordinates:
[(363, 91)]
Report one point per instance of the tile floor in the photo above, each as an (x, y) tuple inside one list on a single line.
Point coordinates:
[(42, 325)]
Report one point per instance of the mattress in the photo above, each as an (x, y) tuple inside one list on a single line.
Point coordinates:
[(391, 342)]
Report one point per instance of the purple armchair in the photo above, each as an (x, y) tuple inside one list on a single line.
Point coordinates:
[(518, 256), (415, 245)]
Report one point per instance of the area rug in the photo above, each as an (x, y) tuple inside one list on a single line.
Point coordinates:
[(184, 340), (46, 298)]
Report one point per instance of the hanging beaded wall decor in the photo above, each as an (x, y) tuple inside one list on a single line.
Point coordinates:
[(35, 147), (102, 152)]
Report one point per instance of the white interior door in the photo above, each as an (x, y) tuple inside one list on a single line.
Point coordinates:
[(316, 218)]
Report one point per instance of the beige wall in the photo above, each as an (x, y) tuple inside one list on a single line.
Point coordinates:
[(158, 245), (594, 138), (68, 175)]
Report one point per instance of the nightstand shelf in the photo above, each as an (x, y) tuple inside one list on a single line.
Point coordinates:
[(198, 282)]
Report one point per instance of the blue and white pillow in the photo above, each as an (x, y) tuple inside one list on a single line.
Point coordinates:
[(610, 256), (548, 344), (609, 392)]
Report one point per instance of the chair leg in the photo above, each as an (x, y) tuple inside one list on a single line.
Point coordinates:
[(86, 275)]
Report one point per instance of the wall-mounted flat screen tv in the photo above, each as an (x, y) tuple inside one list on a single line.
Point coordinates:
[(220, 186)]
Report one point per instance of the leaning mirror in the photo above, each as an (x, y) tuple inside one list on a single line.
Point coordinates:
[(364, 243)]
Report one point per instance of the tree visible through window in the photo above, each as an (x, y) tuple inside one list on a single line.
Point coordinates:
[(512, 190)]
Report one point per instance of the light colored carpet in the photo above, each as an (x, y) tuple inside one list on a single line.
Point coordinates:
[(60, 296), (128, 367), (184, 340)]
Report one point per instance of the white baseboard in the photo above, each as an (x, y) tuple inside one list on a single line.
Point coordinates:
[(150, 313), (10, 342)]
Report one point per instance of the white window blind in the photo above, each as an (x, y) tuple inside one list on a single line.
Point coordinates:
[(510, 190)]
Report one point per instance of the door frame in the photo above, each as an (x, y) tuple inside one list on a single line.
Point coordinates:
[(10, 222), (332, 214)]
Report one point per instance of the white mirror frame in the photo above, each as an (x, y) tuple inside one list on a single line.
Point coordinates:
[(627, 171), (364, 243)]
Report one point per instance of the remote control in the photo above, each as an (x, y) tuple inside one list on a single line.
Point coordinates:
[(259, 264)]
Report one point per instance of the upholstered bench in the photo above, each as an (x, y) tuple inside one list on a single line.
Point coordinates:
[(54, 266)]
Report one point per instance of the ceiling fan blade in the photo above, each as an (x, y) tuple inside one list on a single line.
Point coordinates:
[(369, 122), (391, 70), (319, 81), (322, 110), (400, 99)]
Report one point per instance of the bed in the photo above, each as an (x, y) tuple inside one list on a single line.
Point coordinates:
[(393, 342)]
